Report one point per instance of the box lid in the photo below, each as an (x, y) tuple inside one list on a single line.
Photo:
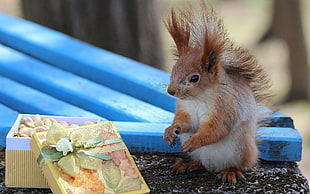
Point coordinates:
[(113, 170)]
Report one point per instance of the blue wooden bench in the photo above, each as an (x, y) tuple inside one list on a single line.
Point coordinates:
[(46, 72)]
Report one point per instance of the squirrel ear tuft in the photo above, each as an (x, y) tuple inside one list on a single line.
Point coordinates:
[(179, 30)]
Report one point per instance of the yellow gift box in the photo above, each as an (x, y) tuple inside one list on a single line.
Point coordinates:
[(21, 169), (87, 159)]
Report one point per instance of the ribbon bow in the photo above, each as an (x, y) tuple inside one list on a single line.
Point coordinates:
[(71, 156)]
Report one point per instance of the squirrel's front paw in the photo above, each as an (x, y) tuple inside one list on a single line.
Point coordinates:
[(192, 144), (171, 133)]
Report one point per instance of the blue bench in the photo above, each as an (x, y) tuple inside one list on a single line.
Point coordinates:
[(43, 71)]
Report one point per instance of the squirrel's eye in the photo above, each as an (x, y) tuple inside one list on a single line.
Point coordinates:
[(194, 78)]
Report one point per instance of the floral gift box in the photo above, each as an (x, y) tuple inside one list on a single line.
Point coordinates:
[(87, 159), (21, 168)]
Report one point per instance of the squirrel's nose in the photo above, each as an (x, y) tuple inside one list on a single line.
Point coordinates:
[(171, 91)]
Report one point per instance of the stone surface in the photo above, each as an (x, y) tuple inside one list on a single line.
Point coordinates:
[(265, 177)]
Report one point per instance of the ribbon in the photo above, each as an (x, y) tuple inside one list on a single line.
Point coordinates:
[(71, 156)]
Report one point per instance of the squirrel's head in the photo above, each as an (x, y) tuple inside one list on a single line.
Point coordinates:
[(193, 74), (199, 45)]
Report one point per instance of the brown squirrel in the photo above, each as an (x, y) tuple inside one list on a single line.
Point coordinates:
[(220, 89)]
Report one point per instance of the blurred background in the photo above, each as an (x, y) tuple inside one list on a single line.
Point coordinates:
[(277, 32)]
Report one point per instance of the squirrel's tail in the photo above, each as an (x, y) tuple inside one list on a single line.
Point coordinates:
[(240, 61)]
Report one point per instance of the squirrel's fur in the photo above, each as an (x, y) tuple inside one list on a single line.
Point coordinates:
[(191, 28), (220, 89)]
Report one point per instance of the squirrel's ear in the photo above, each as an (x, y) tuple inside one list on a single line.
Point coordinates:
[(211, 62), (210, 56), (179, 31)]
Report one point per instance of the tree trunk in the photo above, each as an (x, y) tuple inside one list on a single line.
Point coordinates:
[(129, 28), (287, 24)]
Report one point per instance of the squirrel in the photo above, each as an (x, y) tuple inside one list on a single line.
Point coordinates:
[(219, 89)]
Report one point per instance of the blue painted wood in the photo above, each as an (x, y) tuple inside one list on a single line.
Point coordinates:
[(145, 137), (7, 115), (94, 63), (54, 74), (28, 100), (280, 120), (7, 119), (275, 144), (81, 92), (101, 66), (280, 144)]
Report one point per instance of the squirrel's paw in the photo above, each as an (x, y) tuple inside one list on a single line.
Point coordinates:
[(181, 166), (231, 175), (192, 144), (171, 133)]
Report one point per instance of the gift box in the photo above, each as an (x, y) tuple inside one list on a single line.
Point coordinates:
[(87, 159), (21, 168)]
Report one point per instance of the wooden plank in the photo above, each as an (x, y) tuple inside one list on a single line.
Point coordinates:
[(7, 119), (28, 100), (276, 144), (280, 120), (76, 90), (101, 66), (145, 137), (7, 116), (106, 68), (280, 144)]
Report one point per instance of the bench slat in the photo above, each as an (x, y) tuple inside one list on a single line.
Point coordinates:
[(280, 120), (7, 119), (114, 71), (27, 100), (52, 84), (276, 144), (95, 64), (7, 116), (81, 92), (280, 143)]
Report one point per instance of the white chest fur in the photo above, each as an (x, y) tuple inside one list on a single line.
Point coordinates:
[(227, 152), (217, 156), (198, 110)]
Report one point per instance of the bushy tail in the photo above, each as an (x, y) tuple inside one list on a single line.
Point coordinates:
[(240, 61)]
